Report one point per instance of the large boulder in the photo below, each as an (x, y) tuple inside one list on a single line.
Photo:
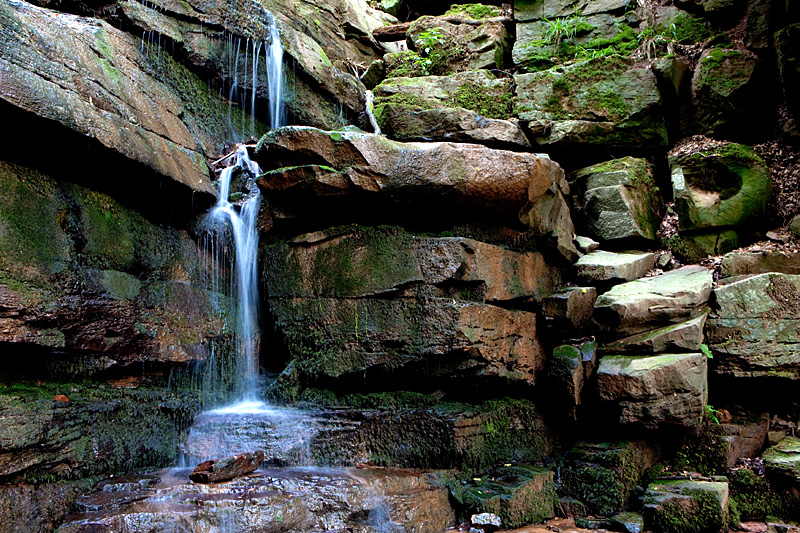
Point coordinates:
[(617, 199), (754, 331), (683, 506), (307, 168), (717, 189), (652, 390), (647, 303), (603, 101), (380, 300), (726, 92), (93, 79), (465, 107), (458, 43)]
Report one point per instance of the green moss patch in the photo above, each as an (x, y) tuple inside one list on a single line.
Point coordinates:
[(475, 11)]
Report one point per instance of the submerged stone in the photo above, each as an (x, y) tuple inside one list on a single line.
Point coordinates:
[(216, 470), (298, 500)]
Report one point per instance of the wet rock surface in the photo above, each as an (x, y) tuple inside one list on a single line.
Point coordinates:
[(301, 499)]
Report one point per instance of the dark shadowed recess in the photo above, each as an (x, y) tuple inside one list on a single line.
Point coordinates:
[(69, 156)]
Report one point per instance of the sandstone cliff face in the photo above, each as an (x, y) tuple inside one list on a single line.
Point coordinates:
[(441, 258)]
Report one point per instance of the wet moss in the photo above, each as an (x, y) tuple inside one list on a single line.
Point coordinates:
[(475, 11), (757, 499), (705, 453), (476, 98), (687, 29), (698, 511), (100, 430)]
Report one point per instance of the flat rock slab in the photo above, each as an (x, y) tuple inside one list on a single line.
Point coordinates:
[(649, 303), (742, 263), (677, 506), (756, 327), (651, 390), (216, 470), (685, 336), (308, 163), (365, 262), (612, 266), (783, 460), (289, 499)]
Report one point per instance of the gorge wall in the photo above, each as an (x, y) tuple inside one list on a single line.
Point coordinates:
[(572, 252)]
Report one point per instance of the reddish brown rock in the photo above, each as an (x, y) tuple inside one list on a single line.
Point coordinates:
[(216, 470)]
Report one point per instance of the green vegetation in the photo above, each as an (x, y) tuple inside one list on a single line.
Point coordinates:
[(757, 499), (476, 98), (475, 11)]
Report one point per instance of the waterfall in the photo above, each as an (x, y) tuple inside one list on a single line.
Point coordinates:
[(242, 223), (274, 63)]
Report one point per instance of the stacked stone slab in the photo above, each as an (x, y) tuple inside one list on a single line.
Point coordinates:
[(661, 314)]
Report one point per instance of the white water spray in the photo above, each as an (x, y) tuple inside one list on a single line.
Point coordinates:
[(245, 238), (274, 63)]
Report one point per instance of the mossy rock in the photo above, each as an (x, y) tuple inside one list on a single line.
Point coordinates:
[(756, 498), (603, 475), (618, 199), (475, 11), (602, 101), (727, 186), (520, 495), (726, 93), (681, 506)]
